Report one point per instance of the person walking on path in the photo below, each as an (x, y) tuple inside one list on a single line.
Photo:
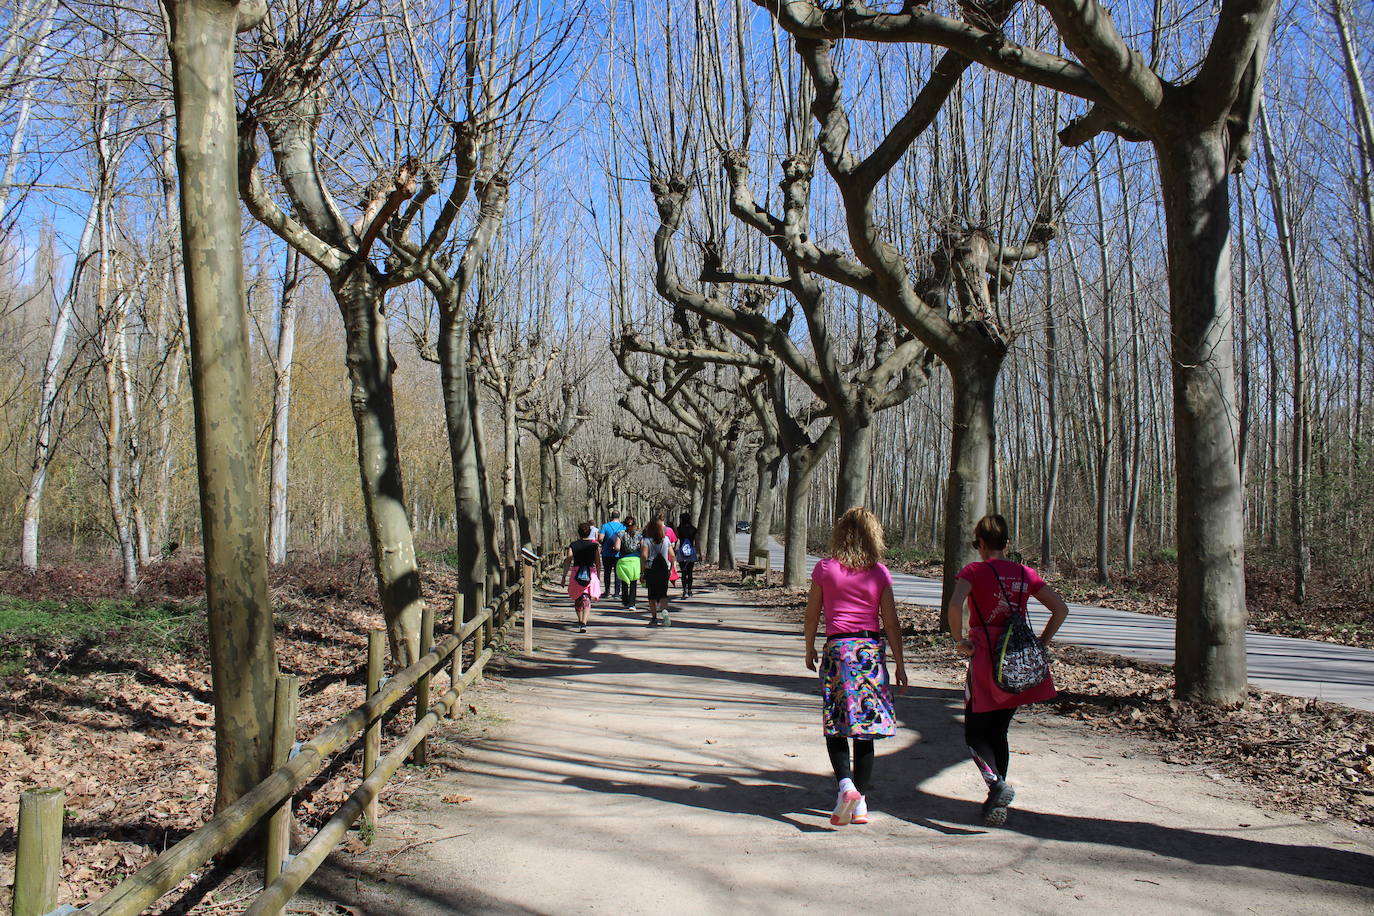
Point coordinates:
[(687, 554), (582, 574), (995, 589), (609, 532), (628, 562), (852, 590), (660, 565), (671, 535)]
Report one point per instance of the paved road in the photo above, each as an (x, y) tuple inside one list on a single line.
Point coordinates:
[(663, 771), (1297, 667)]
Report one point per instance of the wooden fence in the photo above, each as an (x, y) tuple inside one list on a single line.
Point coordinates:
[(39, 859)]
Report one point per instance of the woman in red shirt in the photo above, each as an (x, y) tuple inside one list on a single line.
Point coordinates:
[(854, 591), (995, 589)]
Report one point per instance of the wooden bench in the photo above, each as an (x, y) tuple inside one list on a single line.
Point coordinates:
[(753, 575)]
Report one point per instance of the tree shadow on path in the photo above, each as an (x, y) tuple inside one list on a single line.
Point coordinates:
[(933, 713)]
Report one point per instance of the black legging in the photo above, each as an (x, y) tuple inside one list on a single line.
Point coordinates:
[(985, 733), (612, 582), (685, 570), (862, 771)]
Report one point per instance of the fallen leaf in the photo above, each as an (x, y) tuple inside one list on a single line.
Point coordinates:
[(455, 799)]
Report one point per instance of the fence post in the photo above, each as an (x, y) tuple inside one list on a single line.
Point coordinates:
[(455, 665), (38, 862), (421, 752), (479, 638), (527, 600), (372, 738), (285, 708)]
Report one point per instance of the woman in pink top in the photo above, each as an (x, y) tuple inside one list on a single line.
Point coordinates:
[(854, 593), (995, 589)]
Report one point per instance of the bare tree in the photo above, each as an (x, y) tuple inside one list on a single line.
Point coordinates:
[(1200, 129), (242, 653)]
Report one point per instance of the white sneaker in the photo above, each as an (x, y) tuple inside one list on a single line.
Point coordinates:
[(845, 802), (667, 621), (860, 811)]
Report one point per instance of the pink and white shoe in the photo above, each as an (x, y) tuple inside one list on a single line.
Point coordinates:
[(860, 815), (845, 802)]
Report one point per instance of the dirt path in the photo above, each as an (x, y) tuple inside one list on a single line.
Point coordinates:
[(635, 770)]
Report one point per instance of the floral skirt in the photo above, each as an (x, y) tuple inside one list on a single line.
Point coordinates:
[(857, 695)]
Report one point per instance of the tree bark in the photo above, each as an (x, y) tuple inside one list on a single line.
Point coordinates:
[(966, 494), (729, 500), (111, 316), (510, 441), (1052, 421), (767, 463), (47, 394), (1131, 453), (801, 475), (243, 660), (1301, 443), (281, 410), (1210, 637), (709, 499), (467, 481), (856, 459), (370, 367)]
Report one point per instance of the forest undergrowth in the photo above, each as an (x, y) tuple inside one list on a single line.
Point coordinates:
[(1309, 757), (109, 697)]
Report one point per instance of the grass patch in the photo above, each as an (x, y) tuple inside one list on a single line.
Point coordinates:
[(448, 556), (900, 554), (114, 624)]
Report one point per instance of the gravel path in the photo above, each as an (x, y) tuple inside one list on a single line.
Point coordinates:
[(681, 770)]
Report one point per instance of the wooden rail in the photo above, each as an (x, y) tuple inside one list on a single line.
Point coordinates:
[(284, 875)]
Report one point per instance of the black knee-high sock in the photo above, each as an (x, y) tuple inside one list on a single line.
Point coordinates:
[(838, 749), (863, 764)]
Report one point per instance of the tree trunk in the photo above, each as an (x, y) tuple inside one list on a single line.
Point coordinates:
[(179, 338), (47, 394), (801, 475), (523, 534), (1210, 635), (510, 440), (729, 503), (138, 523), (281, 409), (974, 382), (1301, 444), (1051, 420), (767, 462), (856, 457), (111, 316), (1103, 420), (1131, 455), (493, 574), (243, 661), (467, 480), (379, 462), (709, 498), (548, 497)]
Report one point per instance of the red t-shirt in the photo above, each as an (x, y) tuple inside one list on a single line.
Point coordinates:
[(1020, 583), (987, 601)]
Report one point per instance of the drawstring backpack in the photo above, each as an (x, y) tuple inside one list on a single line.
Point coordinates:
[(1019, 662)]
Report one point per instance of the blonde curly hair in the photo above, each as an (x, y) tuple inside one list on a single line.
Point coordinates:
[(857, 540)]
